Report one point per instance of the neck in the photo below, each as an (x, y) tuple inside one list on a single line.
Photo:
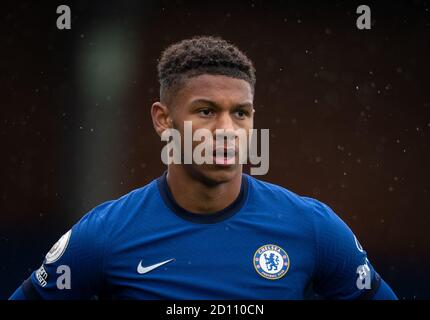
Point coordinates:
[(196, 196)]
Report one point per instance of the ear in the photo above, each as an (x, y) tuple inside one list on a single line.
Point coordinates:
[(161, 117)]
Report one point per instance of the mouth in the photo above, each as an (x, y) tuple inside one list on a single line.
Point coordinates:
[(224, 156)]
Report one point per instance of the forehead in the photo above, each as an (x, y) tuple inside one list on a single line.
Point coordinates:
[(218, 88)]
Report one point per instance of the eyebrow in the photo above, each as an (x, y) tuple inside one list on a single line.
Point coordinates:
[(216, 106)]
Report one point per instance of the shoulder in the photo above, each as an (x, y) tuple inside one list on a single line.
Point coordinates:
[(111, 214), (307, 206)]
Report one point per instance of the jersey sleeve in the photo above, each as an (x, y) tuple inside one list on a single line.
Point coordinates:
[(73, 268), (343, 270)]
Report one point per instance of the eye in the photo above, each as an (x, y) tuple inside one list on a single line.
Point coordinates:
[(206, 112), (241, 114)]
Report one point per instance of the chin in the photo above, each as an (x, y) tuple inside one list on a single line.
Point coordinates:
[(216, 174)]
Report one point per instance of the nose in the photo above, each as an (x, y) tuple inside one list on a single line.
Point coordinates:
[(225, 121), (224, 130)]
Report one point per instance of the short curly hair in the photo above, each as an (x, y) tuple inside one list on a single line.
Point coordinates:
[(201, 55)]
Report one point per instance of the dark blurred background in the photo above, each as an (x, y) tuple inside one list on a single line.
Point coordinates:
[(348, 110)]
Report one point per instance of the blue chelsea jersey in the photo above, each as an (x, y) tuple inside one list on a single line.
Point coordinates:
[(268, 244)]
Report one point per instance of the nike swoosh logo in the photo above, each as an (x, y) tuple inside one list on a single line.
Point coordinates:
[(142, 270)]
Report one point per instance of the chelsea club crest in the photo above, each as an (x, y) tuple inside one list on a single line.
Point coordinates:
[(271, 261)]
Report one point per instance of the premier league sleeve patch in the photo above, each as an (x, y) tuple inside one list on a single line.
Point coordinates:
[(271, 262), (58, 248)]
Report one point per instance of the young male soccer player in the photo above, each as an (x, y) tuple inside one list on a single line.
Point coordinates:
[(206, 231)]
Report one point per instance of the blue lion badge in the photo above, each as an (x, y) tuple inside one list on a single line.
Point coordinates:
[(271, 262)]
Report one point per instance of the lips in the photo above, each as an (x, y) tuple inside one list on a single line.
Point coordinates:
[(224, 156), (226, 152)]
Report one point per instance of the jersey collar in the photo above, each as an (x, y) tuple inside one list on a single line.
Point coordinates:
[(214, 217)]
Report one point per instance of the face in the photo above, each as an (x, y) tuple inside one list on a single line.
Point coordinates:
[(213, 102)]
